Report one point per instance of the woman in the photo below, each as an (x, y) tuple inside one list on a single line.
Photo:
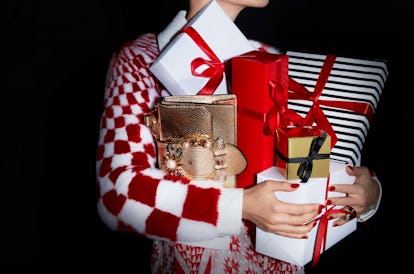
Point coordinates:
[(135, 196)]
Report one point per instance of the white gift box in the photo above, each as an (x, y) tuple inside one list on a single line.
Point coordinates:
[(223, 37), (350, 80), (300, 251)]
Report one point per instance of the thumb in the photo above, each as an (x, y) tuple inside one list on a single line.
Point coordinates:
[(357, 171), (350, 170)]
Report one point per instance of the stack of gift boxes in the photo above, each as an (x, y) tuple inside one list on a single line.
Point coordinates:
[(280, 146), (301, 117)]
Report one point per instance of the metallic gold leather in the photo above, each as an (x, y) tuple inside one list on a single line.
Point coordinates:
[(196, 157), (213, 115), (182, 120), (196, 137), (223, 99)]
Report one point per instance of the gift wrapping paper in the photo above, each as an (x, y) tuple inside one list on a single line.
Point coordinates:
[(194, 61), (339, 94)]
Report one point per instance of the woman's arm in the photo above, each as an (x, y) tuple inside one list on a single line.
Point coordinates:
[(134, 195)]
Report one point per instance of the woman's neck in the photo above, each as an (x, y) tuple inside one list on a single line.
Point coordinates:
[(230, 9)]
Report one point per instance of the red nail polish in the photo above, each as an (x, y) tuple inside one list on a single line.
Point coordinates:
[(314, 224), (335, 224), (294, 185), (331, 188), (351, 168), (328, 202), (304, 236), (320, 209), (330, 217)]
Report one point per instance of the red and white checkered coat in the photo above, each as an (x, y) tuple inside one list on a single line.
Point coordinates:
[(136, 196)]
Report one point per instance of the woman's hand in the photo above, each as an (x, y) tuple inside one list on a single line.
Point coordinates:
[(359, 196), (261, 206)]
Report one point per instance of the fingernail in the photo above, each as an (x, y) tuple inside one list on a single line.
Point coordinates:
[(328, 202), (371, 172), (304, 236), (330, 217), (331, 188), (314, 223), (294, 185), (335, 224), (320, 208), (351, 168)]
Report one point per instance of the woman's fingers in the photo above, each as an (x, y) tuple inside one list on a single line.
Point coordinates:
[(292, 231), (343, 215)]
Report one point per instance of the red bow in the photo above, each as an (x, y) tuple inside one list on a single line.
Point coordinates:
[(279, 116), (215, 68)]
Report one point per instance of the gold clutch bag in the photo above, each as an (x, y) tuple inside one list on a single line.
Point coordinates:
[(213, 115), (196, 137)]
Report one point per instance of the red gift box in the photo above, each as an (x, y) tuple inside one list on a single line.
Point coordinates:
[(260, 82)]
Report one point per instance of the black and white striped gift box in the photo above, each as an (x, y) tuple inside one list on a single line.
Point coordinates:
[(351, 79)]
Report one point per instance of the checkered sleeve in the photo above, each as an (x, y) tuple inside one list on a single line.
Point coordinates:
[(134, 195)]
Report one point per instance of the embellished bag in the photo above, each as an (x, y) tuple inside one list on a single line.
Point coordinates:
[(196, 137)]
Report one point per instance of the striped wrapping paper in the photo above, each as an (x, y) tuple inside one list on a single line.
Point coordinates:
[(351, 79)]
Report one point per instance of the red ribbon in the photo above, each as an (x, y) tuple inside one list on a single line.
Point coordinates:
[(215, 68), (315, 114), (320, 241), (279, 116)]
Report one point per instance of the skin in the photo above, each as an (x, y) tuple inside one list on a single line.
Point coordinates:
[(363, 193), (260, 204), (231, 7)]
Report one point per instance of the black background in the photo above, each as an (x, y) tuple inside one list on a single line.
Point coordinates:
[(53, 63)]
